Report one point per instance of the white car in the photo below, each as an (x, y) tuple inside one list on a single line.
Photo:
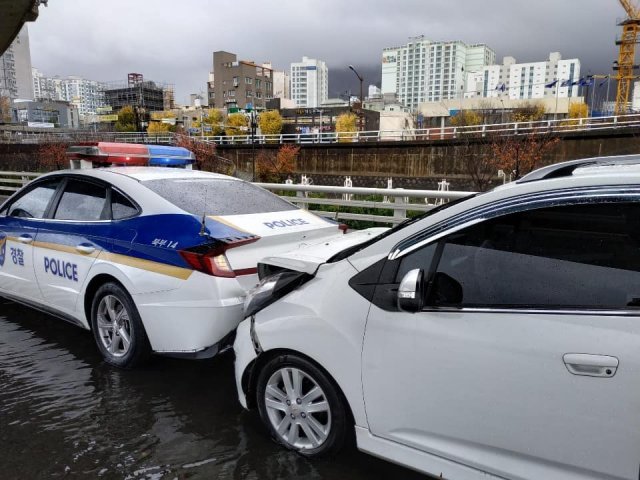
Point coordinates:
[(496, 337), (150, 259)]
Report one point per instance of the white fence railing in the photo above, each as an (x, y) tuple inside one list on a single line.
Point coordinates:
[(335, 196), (13, 181), (416, 134), (307, 195)]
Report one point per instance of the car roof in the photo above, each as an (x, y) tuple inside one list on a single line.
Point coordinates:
[(142, 174), (127, 179)]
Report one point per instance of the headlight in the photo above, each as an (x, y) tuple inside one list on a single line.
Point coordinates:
[(272, 288)]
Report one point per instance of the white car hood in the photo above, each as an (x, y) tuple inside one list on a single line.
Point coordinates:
[(307, 259)]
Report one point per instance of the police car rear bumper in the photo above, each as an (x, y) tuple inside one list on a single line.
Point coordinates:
[(189, 328)]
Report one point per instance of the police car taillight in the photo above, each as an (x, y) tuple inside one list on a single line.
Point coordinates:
[(212, 260), (216, 265)]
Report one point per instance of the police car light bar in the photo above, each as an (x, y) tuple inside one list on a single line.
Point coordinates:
[(101, 154)]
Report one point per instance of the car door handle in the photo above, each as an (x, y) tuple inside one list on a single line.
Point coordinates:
[(591, 365), (25, 239), (86, 249)]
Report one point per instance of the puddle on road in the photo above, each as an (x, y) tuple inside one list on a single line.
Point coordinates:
[(66, 414)]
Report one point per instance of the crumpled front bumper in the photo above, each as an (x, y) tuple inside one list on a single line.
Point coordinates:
[(245, 354)]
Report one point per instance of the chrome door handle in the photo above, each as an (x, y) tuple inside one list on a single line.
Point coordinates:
[(86, 249), (25, 239), (591, 365)]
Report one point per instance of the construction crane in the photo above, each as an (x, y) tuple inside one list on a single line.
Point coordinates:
[(626, 57)]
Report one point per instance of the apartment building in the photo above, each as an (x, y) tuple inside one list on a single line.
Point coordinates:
[(550, 78), (239, 83), (428, 71), (15, 69), (309, 82)]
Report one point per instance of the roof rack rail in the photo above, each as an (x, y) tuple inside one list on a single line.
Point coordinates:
[(566, 169)]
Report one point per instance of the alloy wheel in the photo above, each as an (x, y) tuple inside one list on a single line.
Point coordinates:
[(297, 408), (114, 326)]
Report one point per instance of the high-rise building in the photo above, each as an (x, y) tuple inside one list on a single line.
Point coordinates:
[(550, 78), (430, 71), (15, 69), (239, 83), (389, 70), (309, 82), (86, 95)]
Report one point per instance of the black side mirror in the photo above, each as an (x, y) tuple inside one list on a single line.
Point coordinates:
[(410, 291)]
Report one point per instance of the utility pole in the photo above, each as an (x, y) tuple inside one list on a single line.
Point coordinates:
[(352, 68)]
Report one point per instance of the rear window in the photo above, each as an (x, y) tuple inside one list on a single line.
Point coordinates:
[(217, 196)]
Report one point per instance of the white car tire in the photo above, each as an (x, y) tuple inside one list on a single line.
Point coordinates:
[(301, 406), (117, 327)]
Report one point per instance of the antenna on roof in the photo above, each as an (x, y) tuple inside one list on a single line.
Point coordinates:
[(203, 232)]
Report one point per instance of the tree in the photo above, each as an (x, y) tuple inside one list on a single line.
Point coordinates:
[(270, 167), (5, 109), (52, 156), (529, 112), (576, 111), (156, 127), (466, 118), (237, 124), (346, 126), (126, 120), (213, 122), (205, 153), (270, 122), (518, 155)]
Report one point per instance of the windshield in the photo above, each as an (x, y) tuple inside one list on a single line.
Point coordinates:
[(217, 196), (347, 252)]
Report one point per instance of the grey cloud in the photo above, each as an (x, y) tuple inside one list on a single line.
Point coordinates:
[(173, 41)]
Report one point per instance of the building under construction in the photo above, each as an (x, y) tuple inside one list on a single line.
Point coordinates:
[(141, 94)]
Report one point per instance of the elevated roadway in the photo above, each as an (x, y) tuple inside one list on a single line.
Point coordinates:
[(13, 15)]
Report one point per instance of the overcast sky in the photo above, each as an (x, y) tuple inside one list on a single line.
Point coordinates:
[(173, 41)]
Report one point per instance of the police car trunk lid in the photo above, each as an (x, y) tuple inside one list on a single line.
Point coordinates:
[(278, 232), (308, 258)]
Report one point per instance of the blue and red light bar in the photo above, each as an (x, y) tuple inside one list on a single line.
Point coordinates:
[(99, 154)]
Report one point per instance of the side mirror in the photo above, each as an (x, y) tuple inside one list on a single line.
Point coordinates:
[(410, 291)]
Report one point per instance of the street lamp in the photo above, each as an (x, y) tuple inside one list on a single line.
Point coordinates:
[(352, 68)]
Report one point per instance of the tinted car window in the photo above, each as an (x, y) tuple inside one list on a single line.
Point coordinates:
[(420, 258), (582, 256), (121, 207), (34, 203), (217, 196), (82, 201)]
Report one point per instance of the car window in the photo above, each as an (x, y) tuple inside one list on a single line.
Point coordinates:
[(33, 203), (420, 258), (121, 207), (82, 201), (217, 196), (580, 256)]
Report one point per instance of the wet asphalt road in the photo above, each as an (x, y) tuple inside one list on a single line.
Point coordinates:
[(66, 414)]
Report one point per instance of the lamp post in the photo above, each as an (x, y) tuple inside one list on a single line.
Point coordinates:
[(352, 68)]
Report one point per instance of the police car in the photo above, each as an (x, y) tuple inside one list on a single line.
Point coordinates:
[(149, 259)]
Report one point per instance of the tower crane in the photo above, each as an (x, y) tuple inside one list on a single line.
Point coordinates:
[(626, 57)]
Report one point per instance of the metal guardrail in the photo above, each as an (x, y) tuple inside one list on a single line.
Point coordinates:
[(401, 204), (418, 134), (10, 182)]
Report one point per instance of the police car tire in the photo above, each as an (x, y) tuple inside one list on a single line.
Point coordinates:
[(341, 424), (140, 349)]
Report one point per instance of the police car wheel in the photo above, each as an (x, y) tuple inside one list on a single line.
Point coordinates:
[(117, 327), (302, 407)]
